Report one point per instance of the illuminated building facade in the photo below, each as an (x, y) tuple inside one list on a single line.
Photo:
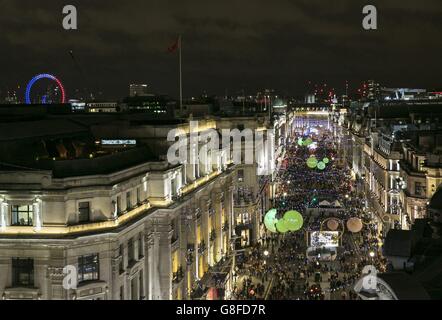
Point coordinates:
[(393, 151), (130, 224), (154, 105), (421, 172), (102, 107)]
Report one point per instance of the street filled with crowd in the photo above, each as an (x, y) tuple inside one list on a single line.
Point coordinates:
[(280, 266)]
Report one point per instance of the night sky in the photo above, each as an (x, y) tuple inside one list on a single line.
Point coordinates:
[(227, 44)]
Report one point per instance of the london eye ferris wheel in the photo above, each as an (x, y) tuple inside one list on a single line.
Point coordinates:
[(44, 98)]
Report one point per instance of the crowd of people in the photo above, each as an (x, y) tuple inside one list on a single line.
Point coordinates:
[(287, 271)]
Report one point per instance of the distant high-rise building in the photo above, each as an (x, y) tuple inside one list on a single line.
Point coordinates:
[(404, 94), (11, 98), (373, 90), (138, 90), (370, 90), (155, 105), (310, 98)]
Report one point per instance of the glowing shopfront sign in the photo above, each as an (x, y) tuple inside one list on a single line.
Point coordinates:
[(327, 239), (118, 142)]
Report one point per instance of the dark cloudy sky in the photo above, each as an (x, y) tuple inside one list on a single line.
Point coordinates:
[(227, 44)]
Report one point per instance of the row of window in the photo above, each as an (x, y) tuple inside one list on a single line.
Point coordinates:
[(88, 266), (84, 206), (23, 270), (131, 252), (129, 204), (23, 215)]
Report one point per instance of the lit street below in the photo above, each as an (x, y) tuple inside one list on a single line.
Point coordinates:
[(325, 258)]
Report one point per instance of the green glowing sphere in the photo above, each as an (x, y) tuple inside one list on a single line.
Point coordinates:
[(312, 162), (321, 165), (325, 160), (300, 142), (293, 220), (308, 142), (270, 220), (281, 226)]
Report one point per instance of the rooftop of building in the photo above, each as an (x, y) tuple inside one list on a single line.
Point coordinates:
[(424, 242), (67, 146), (403, 110), (422, 141), (19, 130), (101, 164), (106, 164), (405, 286)]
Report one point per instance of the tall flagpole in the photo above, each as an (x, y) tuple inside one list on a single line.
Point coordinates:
[(181, 78)]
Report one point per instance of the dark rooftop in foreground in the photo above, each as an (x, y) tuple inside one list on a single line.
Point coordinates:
[(40, 128), (104, 164), (83, 167), (405, 286)]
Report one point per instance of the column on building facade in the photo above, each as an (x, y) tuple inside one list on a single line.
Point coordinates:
[(184, 254), (218, 207), (205, 230), (115, 269), (197, 222), (3, 214), (232, 211), (179, 242), (161, 260), (226, 222), (37, 206), (141, 253), (132, 286), (148, 263), (190, 172)]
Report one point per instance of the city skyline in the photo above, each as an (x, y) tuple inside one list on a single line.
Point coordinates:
[(226, 47)]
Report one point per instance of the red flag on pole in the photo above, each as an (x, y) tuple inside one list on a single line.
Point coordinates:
[(174, 46)]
